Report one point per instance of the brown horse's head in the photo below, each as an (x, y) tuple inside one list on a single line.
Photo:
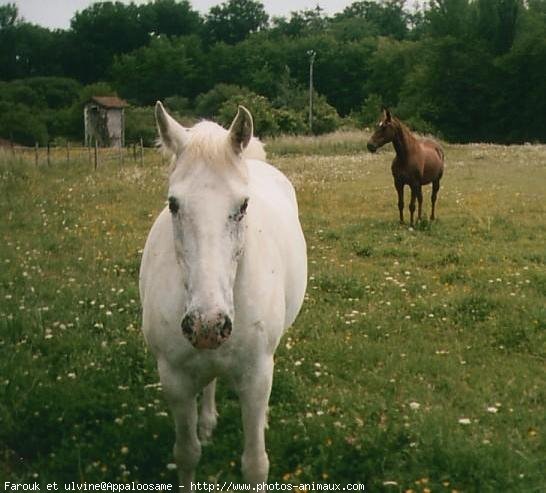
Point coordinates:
[(384, 132)]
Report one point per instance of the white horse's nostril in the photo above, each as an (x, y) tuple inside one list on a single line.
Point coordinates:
[(173, 205), (188, 324), (225, 327)]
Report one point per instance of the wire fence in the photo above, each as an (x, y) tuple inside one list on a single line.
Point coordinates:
[(94, 156)]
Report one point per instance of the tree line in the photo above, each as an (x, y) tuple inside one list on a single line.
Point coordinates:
[(465, 70)]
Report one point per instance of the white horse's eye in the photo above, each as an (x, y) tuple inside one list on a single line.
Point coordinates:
[(173, 205), (240, 212)]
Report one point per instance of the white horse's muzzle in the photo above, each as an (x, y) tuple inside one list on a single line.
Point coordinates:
[(206, 331)]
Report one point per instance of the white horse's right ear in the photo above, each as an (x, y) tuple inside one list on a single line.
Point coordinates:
[(241, 130), (172, 135)]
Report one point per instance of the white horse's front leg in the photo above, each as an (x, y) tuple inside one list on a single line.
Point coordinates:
[(208, 416), (254, 392), (181, 396)]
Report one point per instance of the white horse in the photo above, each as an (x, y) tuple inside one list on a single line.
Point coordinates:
[(223, 274)]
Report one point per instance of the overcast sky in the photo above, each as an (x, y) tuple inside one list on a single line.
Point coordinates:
[(57, 13)]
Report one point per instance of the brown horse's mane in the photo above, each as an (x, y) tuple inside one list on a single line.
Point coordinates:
[(402, 127), (407, 137), (403, 137)]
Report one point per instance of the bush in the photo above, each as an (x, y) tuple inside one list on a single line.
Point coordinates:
[(140, 123), (208, 104), (17, 92), (59, 122), (290, 121), (265, 123), (271, 121), (178, 104), (325, 117), (369, 113), (295, 99), (55, 92), (22, 125)]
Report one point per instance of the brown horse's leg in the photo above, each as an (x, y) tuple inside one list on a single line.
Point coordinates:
[(419, 194), (399, 185), (435, 188), (412, 204)]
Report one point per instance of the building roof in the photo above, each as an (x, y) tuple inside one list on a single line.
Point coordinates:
[(110, 101)]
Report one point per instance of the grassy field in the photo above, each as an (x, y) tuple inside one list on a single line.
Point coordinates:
[(417, 363)]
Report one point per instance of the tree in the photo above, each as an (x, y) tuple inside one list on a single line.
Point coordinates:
[(165, 67), (26, 51), (340, 69), (234, 20), (304, 22), (9, 15), (170, 17), (101, 32), (519, 104), (449, 18), (390, 64), (496, 23), (450, 89), (388, 17)]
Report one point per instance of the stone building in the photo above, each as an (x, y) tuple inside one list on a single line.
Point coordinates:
[(104, 121)]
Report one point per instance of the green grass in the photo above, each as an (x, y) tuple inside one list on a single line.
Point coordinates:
[(403, 332)]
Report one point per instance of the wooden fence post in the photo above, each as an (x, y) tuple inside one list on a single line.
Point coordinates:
[(96, 154), (67, 152), (121, 155), (141, 153), (36, 145), (48, 154)]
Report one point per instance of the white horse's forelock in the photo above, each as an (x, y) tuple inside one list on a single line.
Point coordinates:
[(209, 142)]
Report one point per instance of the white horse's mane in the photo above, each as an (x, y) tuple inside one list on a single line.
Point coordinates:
[(209, 142)]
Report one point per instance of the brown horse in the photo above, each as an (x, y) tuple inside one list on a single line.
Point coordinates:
[(418, 162)]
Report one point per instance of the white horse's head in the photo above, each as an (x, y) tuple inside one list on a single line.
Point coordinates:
[(208, 199)]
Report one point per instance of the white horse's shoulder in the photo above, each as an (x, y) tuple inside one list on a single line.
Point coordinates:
[(158, 242)]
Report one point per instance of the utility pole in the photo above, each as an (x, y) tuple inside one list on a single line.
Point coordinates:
[(311, 54)]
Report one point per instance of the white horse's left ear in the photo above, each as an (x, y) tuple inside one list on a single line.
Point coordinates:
[(172, 135), (241, 129)]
